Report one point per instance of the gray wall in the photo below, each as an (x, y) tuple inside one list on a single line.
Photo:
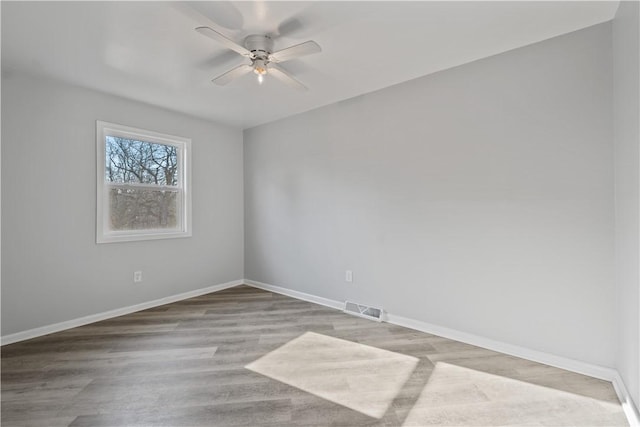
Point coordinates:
[(52, 269), (479, 198), (626, 47)]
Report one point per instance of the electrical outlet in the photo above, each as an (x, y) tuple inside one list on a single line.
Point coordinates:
[(348, 276), (137, 276)]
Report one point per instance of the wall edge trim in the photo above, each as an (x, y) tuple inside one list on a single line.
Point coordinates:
[(629, 408), (80, 321), (295, 294)]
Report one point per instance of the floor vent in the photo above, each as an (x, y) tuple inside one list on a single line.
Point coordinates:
[(363, 311)]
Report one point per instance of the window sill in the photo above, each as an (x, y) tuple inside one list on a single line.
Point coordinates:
[(142, 236)]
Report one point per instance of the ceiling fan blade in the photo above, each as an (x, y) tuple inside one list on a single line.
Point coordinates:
[(285, 77), (226, 42), (306, 48), (234, 73)]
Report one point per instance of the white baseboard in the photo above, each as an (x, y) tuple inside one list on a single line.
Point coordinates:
[(296, 294), (572, 365), (630, 410), (74, 323), (600, 372)]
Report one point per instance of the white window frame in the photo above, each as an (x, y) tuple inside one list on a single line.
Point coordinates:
[(103, 232)]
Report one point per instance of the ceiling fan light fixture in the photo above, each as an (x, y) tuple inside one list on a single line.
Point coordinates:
[(260, 67)]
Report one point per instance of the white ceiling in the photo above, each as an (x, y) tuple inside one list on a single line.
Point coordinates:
[(149, 51)]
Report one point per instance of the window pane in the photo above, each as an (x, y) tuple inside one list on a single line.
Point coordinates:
[(133, 161), (140, 209)]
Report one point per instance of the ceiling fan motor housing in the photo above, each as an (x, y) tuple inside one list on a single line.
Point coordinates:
[(260, 46)]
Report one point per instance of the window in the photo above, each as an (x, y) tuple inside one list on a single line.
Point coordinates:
[(143, 184)]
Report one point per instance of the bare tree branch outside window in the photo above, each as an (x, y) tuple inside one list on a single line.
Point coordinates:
[(132, 169)]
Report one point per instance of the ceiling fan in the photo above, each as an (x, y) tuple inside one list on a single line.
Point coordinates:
[(259, 49)]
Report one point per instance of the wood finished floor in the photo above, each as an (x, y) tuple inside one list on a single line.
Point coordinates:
[(245, 356)]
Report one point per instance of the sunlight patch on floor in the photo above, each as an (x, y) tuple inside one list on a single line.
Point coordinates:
[(363, 378), (461, 396)]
